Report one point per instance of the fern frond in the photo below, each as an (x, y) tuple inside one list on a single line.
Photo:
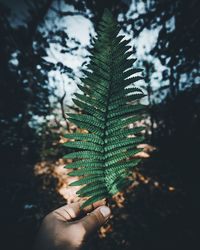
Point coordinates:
[(109, 100)]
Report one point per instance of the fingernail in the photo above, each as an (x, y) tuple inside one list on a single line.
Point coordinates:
[(105, 211)]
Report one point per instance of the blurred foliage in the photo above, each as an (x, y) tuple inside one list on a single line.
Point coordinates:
[(32, 120)]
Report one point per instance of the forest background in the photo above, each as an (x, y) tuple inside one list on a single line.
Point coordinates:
[(43, 50)]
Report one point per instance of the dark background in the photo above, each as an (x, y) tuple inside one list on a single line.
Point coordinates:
[(162, 210)]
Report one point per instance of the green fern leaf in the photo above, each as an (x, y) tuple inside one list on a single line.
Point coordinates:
[(110, 104), (88, 179)]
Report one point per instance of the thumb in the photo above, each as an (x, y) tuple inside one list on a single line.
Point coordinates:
[(95, 219)]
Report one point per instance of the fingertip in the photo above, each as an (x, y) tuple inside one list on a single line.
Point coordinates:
[(95, 219), (105, 211), (93, 206), (99, 203)]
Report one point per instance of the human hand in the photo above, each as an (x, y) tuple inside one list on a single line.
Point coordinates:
[(64, 229)]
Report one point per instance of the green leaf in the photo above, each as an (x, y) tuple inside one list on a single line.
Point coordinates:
[(127, 110), (84, 163), (125, 165), (86, 171), (110, 103), (94, 192), (122, 143), (85, 125), (93, 199), (124, 155), (124, 133), (88, 179), (84, 154), (114, 126), (87, 137), (84, 145), (90, 187)]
